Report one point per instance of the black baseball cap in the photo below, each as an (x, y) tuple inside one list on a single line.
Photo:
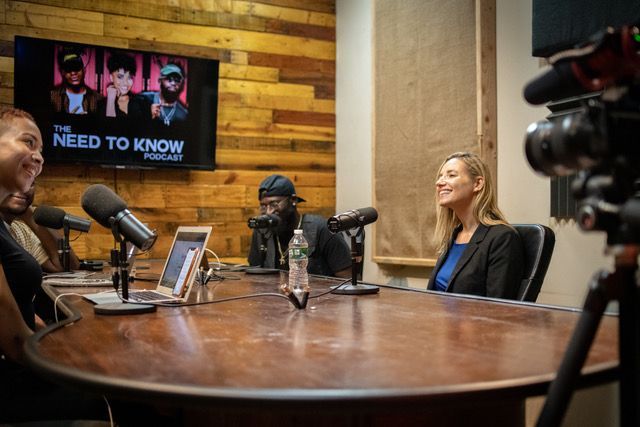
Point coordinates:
[(277, 185), (71, 61), (170, 69)]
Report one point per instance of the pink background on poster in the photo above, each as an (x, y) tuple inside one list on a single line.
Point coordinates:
[(157, 61)]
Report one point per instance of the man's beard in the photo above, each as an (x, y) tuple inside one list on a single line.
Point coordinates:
[(168, 96), (10, 214), (16, 212), (287, 220)]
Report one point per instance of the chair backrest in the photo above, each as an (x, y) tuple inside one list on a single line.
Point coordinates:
[(538, 242)]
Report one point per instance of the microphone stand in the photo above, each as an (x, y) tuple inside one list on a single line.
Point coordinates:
[(264, 233), (357, 251), (66, 249), (120, 278), (263, 246)]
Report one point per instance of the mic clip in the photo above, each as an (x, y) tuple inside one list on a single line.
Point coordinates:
[(114, 229)]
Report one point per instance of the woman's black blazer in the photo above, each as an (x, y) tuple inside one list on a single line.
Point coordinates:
[(491, 265)]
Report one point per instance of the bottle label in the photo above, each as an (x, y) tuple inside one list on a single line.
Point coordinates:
[(297, 253)]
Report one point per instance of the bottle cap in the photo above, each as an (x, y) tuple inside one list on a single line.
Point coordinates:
[(297, 231)]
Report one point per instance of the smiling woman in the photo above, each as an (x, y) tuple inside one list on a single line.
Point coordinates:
[(120, 100), (20, 163), (20, 151), (24, 395), (480, 253)]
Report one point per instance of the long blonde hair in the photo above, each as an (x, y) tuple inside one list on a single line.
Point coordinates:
[(485, 206)]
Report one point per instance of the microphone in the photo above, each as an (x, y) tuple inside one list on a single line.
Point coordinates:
[(630, 213), (56, 218), (611, 56), (106, 207), (264, 221), (351, 219), (557, 83)]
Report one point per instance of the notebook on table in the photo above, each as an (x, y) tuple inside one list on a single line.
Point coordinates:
[(89, 278), (179, 271), (77, 279)]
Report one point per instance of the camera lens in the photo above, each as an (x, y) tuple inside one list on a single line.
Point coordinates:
[(562, 146)]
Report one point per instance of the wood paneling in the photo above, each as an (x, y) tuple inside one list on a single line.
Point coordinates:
[(276, 108), (277, 102), (53, 18), (222, 38)]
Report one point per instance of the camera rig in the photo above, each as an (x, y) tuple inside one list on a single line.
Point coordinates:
[(598, 139), (598, 136)]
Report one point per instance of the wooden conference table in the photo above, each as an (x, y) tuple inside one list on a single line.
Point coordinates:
[(401, 357)]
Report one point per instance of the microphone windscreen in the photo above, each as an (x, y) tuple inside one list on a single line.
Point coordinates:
[(264, 221), (370, 214), (101, 203), (49, 216), (355, 218), (557, 83)]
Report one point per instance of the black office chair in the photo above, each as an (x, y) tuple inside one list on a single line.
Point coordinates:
[(538, 242)]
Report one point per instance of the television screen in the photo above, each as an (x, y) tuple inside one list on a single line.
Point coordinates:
[(118, 107)]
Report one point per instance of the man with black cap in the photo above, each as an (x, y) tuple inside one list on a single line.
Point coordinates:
[(328, 253), (166, 106), (73, 96)]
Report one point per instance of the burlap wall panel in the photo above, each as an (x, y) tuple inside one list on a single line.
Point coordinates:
[(426, 107)]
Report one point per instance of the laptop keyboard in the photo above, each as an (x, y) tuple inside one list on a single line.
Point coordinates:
[(147, 296)]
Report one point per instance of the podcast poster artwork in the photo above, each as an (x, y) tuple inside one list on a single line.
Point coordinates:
[(118, 107)]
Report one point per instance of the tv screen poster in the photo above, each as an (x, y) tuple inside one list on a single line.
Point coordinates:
[(118, 107)]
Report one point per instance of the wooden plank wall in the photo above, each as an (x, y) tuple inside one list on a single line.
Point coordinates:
[(275, 113)]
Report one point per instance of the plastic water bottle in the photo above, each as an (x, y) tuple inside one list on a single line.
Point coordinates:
[(298, 261)]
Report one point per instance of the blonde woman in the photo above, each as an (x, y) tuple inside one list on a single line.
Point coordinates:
[(480, 254)]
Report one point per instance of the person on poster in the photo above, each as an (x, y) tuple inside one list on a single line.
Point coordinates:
[(73, 96), (120, 100), (166, 106)]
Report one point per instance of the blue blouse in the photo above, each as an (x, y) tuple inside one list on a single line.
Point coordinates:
[(444, 274)]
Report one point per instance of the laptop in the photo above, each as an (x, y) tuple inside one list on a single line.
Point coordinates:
[(180, 268)]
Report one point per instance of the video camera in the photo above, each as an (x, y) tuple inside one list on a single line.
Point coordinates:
[(599, 136)]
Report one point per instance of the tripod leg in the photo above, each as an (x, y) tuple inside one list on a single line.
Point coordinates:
[(629, 352), (562, 387)]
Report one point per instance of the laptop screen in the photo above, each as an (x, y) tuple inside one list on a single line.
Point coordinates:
[(183, 260)]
